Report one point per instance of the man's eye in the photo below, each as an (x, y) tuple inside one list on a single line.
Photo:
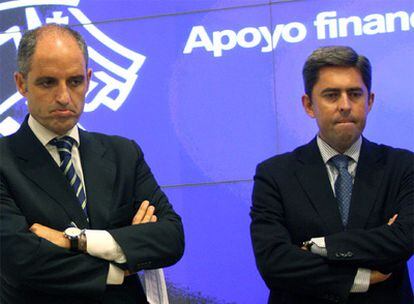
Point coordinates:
[(47, 83), (75, 82), (355, 95), (330, 96)]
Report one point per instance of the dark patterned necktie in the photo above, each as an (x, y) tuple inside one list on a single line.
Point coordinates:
[(64, 147), (343, 186)]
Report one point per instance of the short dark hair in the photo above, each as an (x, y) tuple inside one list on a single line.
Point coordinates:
[(334, 56), (28, 42)]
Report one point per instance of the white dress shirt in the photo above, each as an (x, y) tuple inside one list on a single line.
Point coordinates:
[(100, 243), (362, 278)]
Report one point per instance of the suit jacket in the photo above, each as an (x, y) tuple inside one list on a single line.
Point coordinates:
[(34, 190), (293, 201)]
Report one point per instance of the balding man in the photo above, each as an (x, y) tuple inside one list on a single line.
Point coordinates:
[(81, 212)]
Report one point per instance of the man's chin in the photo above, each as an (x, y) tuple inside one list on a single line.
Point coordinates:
[(62, 127), (347, 140)]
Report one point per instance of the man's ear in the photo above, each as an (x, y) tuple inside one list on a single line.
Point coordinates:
[(88, 78), (308, 105), (370, 101), (21, 83)]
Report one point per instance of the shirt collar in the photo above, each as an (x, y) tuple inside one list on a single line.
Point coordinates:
[(328, 152), (44, 135)]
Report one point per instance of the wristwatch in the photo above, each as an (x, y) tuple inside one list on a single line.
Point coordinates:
[(77, 238), (308, 245)]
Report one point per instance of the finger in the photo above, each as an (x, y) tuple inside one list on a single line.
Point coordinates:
[(40, 230), (35, 227), (304, 248), (140, 213), (153, 219), (388, 275), (148, 214), (392, 220)]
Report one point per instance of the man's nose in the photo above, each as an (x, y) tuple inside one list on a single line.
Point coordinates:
[(344, 103), (63, 94)]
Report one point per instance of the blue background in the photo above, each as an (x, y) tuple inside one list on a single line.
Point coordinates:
[(204, 122)]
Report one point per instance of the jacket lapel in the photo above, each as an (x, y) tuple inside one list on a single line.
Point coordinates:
[(99, 173), (313, 177), (38, 165), (369, 174)]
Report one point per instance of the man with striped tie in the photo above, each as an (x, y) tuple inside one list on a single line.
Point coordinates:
[(332, 221), (80, 212)]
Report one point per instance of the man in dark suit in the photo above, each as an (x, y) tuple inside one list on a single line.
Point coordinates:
[(332, 221), (80, 212)]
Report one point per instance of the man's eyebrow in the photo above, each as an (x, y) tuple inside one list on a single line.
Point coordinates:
[(77, 77), (331, 90), (43, 78), (326, 90), (355, 89)]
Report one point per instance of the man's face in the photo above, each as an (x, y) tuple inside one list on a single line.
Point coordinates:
[(56, 83), (340, 102)]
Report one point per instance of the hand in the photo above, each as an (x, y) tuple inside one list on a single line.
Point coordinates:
[(52, 235), (145, 214), (378, 277), (392, 220)]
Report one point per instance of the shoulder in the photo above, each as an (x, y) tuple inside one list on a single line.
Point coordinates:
[(7, 143), (395, 162), (4, 141), (107, 139), (288, 159), (279, 160), (388, 153), (112, 144), (283, 166)]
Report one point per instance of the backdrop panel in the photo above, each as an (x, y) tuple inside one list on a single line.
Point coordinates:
[(209, 89), (218, 264)]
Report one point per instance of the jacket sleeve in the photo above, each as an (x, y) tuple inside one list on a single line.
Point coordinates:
[(282, 264), (382, 246), (150, 245), (35, 263)]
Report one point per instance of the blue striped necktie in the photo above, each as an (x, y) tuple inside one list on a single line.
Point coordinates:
[(343, 186), (64, 147)]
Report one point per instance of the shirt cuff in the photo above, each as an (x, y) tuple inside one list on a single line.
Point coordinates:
[(318, 247), (361, 281), (101, 244), (115, 275)]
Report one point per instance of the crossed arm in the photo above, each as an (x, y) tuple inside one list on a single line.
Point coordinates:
[(375, 275), (145, 214), (281, 222)]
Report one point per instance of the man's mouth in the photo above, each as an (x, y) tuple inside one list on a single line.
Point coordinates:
[(345, 122), (62, 112)]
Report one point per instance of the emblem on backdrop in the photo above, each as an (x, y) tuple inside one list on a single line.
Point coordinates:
[(115, 66)]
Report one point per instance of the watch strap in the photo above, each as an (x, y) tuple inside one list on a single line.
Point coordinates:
[(74, 243), (82, 242)]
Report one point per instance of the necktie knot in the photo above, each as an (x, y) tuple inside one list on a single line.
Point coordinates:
[(65, 142), (340, 161), (64, 146)]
